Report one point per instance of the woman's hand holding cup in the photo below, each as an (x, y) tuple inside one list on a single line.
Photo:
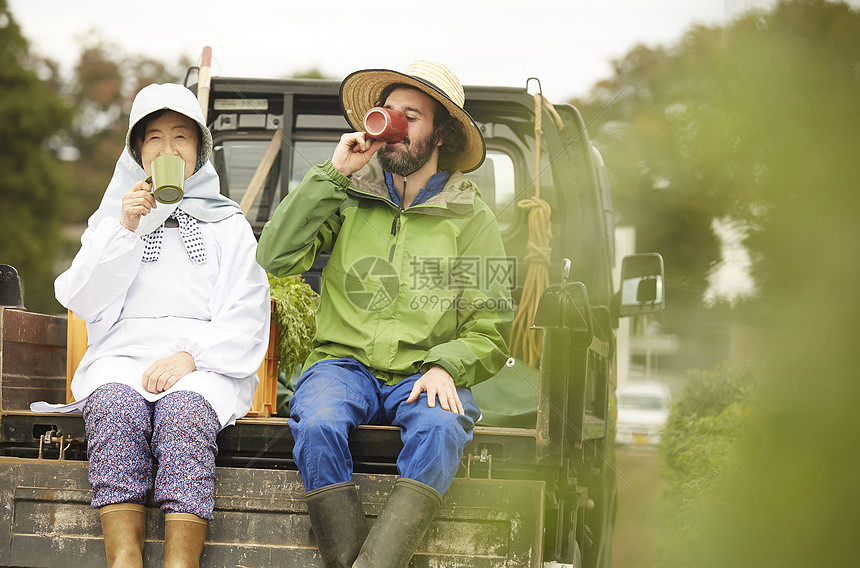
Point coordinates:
[(137, 202)]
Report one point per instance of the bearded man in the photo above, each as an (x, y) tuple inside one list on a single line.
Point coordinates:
[(408, 318)]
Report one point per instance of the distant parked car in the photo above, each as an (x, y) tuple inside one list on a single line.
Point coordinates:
[(643, 409)]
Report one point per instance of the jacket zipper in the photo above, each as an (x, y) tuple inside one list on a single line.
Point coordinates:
[(395, 223)]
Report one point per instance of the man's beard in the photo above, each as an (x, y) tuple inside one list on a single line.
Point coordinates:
[(409, 158)]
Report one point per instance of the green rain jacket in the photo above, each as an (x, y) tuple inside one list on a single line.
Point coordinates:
[(403, 290)]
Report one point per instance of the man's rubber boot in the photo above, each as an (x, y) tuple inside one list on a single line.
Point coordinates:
[(184, 535), (338, 522), (124, 530), (395, 536)]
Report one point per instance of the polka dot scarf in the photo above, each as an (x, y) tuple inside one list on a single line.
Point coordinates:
[(189, 230)]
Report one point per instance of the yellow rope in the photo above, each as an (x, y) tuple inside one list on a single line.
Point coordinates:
[(524, 345), (538, 133), (559, 123)]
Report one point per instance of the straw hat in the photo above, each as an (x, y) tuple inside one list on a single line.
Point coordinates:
[(360, 91)]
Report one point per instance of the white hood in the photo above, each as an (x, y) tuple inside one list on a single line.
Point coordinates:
[(202, 199)]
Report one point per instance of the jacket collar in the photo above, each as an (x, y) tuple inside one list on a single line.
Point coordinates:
[(457, 198)]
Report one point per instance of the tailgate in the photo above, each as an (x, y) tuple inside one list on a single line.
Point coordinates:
[(261, 520)]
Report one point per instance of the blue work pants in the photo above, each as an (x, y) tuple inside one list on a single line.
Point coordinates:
[(335, 395)]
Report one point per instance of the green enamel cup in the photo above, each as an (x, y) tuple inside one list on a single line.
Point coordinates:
[(168, 178)]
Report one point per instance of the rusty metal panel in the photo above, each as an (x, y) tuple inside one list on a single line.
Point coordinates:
[(486, 522), (8, 479), (21, 326), (261, 520), (33, 361), (21, 390)]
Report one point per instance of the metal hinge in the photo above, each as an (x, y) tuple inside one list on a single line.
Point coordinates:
[(54, 437), (484, 457)]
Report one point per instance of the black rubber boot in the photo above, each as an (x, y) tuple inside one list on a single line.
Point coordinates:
[(338, 522), (395, 536)]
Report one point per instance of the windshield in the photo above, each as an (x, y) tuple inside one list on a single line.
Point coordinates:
[(641, 402)]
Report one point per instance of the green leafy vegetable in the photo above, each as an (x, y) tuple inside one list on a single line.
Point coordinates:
[(295, 314)]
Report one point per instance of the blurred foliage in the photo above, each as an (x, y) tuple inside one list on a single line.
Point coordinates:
[(311, 73), (756, 122), (698, 447), (742, 122), (59, 144), (794, 501), (295, 314), (34, 183)]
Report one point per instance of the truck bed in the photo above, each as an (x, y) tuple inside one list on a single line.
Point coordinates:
[(261, 520), (260, 512), (495, 514)]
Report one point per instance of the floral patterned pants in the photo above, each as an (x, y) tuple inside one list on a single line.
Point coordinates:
[(126, 434)]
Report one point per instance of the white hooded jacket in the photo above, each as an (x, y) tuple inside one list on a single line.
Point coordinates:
[(202, 199), (138, 312)]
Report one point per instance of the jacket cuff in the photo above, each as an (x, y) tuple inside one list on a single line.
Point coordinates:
[(192, 348), (452, 370), (335, 176)]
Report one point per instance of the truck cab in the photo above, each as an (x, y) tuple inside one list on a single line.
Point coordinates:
[(536, 487)]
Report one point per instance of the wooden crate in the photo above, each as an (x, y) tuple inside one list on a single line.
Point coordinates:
[(266, 396)]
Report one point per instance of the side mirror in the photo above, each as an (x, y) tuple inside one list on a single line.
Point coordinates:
[(641, 285)]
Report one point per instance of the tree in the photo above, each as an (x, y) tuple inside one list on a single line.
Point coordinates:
[(34, 182), (643, 120), (766, 112), (311, 73), (43, 116), (726, 124), (795, 97)]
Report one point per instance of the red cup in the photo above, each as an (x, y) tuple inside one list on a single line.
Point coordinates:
[(385, 124)]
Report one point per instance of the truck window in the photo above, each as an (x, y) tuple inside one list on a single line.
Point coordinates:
[(236, 161), (307, 154), (495, 180)]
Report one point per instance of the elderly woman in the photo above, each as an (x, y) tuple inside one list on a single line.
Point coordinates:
[(177, 314)]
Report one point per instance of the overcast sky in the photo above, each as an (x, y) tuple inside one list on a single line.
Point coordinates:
[(567, 44)]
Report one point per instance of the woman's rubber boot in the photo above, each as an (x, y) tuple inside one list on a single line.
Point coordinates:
[(184, 535), (398, 531), (124, 530), (338, 522)]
